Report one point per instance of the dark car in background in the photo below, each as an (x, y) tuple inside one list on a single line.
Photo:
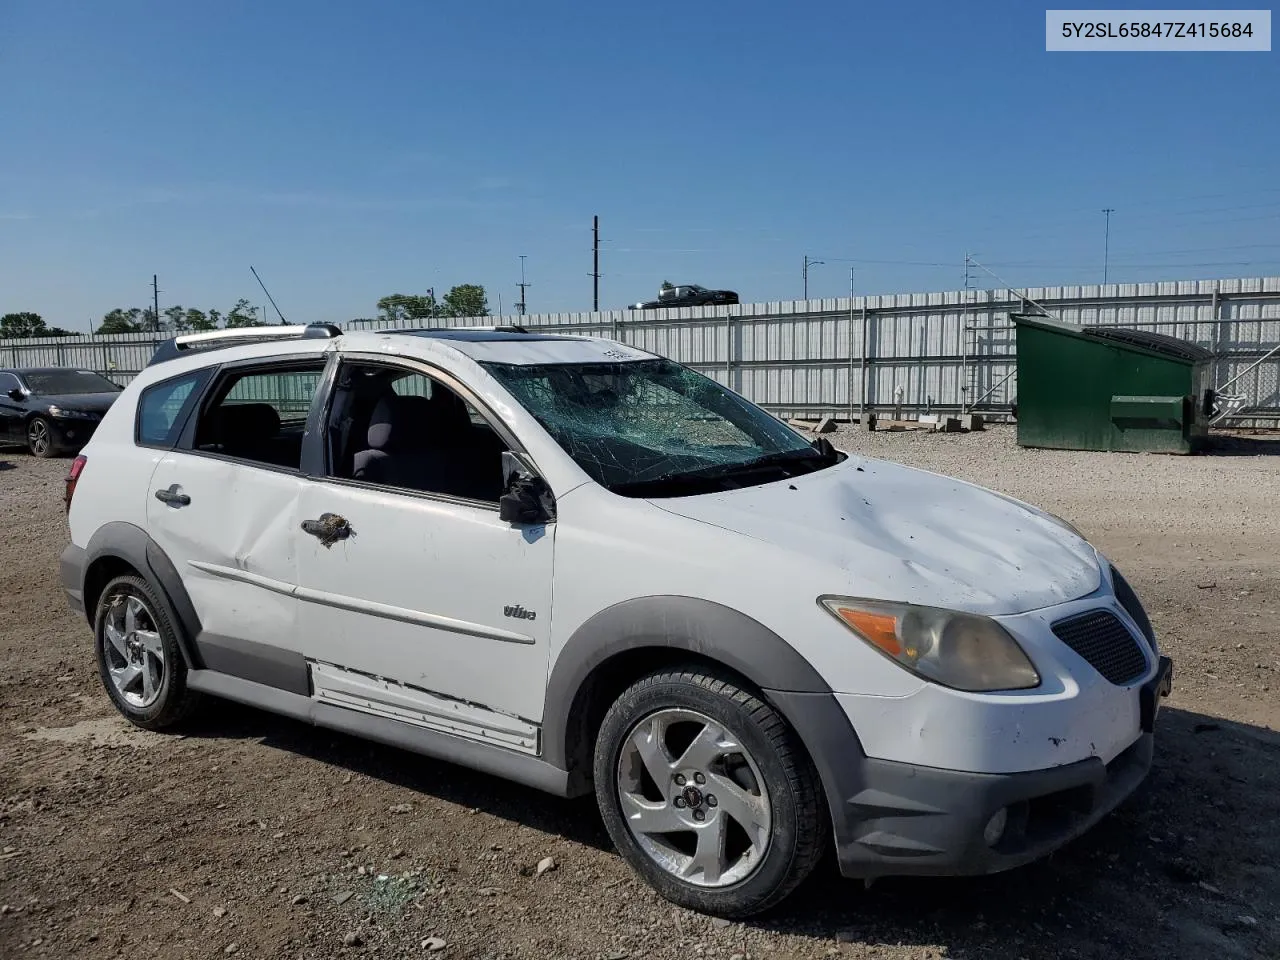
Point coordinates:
[(52, 410), (688, 295)]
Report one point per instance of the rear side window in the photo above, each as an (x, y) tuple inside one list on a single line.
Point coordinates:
[(260, 415), (163, 408)]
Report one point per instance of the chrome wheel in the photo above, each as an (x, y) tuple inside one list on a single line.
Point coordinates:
[(134, 650), (693, 798), (38, 438)]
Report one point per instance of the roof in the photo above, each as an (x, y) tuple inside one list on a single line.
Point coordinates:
[(482, 344), (499, 346), (1143, 341)]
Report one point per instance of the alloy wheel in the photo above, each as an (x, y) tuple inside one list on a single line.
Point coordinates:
[(134, 650), (38, 437), (694, 798)]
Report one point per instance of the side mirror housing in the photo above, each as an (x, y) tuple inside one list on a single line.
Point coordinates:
[(526, 498), (17, 394)]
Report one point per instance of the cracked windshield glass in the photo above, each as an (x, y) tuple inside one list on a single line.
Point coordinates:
[(655, 426)]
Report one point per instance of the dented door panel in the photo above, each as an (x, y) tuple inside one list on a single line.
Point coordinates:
[(438, 595), (233, 544)]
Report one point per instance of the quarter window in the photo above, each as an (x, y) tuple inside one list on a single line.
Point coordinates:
[(163, 409)]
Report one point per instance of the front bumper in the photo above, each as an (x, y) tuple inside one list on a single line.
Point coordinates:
[(901, 818), (71, 434)]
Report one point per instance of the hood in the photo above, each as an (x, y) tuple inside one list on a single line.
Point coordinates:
[(95, 402), (900, 534)]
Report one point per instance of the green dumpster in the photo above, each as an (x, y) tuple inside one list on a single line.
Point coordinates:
[(1106, 388)]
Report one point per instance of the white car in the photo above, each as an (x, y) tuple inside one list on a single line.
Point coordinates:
[(583, 567)]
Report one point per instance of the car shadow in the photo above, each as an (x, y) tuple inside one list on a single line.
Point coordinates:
[(1233, 445), (7, 465), (1170, 873)]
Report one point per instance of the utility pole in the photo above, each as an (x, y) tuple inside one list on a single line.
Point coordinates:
[(805, 273), (520, 307), (1106, 242), (595, 263), (964, 335), (155, 302)]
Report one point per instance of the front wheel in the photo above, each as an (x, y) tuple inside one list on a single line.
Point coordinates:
[(40, 437), (708, 793)]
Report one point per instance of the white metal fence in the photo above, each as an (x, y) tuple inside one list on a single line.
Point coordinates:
[(921, 351)]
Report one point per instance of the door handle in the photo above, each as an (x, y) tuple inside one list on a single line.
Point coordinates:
[(329, 529), (173, 497)]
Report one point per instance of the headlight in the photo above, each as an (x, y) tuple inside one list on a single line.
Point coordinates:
[(65, 414), (958, 650)]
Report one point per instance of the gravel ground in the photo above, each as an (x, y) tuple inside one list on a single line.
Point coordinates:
[(255, 836)]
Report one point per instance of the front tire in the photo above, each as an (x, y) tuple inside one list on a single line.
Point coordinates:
[(139, 660), (708, 793), (40, 438)]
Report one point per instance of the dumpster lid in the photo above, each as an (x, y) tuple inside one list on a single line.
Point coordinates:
[(1160, 343)]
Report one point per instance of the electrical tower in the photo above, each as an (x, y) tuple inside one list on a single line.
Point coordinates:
[(521, 306), (155, 302)]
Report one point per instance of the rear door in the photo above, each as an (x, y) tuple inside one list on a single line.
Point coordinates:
[(223, 506), (428, 608)]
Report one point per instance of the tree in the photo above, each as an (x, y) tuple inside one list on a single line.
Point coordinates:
[(195, 319), (407, 307), (121, 321), (667, 285), (242, 315), (175, 318), (466, 300), (23, 324)]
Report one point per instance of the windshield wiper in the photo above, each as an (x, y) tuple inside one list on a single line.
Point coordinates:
[(817, 456)]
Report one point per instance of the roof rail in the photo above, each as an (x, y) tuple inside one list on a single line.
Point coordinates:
[(186, 343), (502, 328)]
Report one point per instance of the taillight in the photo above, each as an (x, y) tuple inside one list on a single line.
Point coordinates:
[(77, 468)]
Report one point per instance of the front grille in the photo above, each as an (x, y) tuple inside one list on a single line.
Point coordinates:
[(1105, 643)]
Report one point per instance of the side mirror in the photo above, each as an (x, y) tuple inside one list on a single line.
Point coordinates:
[(526, 498), (17, 394)]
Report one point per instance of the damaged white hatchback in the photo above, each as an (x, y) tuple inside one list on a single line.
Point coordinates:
[(582, 567)]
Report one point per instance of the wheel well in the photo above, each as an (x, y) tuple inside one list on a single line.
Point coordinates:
[(101, 572), (607, 682)]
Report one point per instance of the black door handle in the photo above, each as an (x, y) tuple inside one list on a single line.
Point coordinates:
[(329, 529), (172, 497)]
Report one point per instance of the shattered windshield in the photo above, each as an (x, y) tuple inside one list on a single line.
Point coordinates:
[(654, 427)]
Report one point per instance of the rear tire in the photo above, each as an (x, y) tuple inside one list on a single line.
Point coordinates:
[(139, 659), (40, 438), (708, 793)]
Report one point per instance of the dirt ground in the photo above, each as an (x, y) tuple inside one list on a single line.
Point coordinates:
[(256, 836)]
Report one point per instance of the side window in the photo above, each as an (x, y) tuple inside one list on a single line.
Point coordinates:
[(403, 429), (260, 415), (163, 408)]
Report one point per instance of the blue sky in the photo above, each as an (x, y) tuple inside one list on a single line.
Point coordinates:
[(353, 150)]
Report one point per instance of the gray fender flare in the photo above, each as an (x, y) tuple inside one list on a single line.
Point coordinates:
[(132, 544), (715, 632)]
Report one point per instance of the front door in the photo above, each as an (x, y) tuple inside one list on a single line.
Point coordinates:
[(11, 411), (417, 602)]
